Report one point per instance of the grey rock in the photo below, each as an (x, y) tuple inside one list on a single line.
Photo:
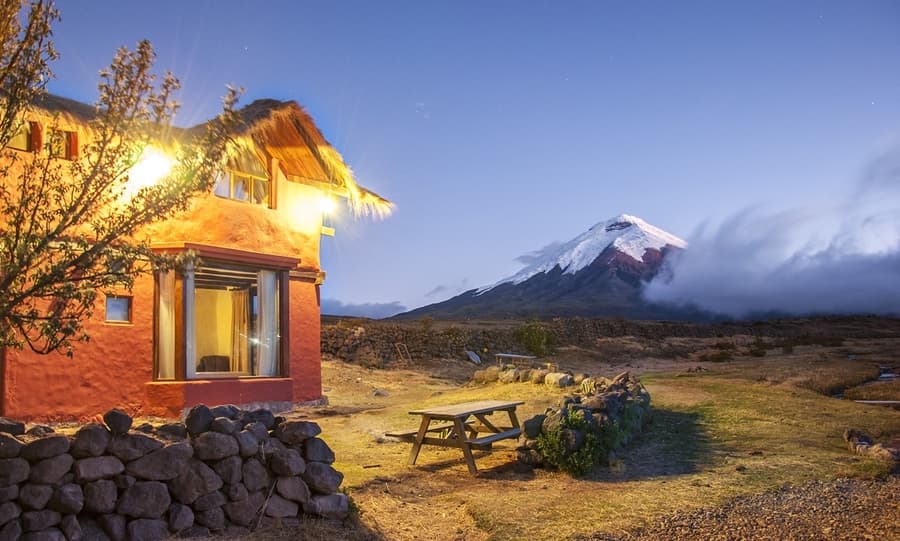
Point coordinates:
[(71, 528), (146, 428), (330, 506), (322, 478), (91, 440), (292, 488), (67, 499), (531, 457), (209, 501), (195, 531), (558, 379), (291, 432), (91, 530), (215, 446), (9, 493), (118, 421), (39, 431), (114, 525), (11, 426), (509, 376), (214, 519), (162, 464), (235, 492), (9, 511), (51, 470), (229, 411), (279, 507), (100, 496), (316, 450), (100, 467), (272, 446), (194, 481), (33, 496), (263, 416), (248, 443), (538, 375), (224, 425), (50, 534), (198, 420), (146, 529), (573, 439), (287, 462), (532, 427), (147, 499), (128, 447), (124, 481), (259, 430), (230, 469), (10, 446), (172, 431), (13, 470), (46, 447), (12, 531), (236, 531), (255, 476), (181, 517), (243, 512), (34, 521)]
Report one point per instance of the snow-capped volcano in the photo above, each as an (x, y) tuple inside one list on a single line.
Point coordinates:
[(598, 273), (627, 234)]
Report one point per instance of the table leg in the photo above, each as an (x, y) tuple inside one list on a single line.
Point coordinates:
[(466, 448), (420, 436), (513, 419)]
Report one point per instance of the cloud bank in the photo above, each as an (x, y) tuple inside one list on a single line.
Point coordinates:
[(374, 310), (839, 260)]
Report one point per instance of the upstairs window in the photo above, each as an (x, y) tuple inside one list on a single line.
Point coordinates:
[(242, 186), (24, 138), (63, 144)]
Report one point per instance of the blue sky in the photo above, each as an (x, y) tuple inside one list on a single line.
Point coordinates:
[(500, 127)]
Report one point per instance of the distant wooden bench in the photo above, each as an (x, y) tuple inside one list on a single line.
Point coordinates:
[(520, 361), (461, 432)]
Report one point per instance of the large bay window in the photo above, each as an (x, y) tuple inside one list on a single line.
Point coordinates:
[(218, 320)]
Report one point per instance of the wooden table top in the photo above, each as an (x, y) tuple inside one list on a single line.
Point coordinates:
[(467, 408)]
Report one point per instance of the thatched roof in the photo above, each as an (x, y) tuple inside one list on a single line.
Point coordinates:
[(286, 132)]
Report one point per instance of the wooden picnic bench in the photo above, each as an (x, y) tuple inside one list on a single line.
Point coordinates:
[(520, 361), (460, 430)]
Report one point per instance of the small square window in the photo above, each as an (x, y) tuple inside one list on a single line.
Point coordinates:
[(118, 309)]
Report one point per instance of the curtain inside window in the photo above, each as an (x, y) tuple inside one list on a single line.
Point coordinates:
[(240, 330), (268, 323), (165, 339)]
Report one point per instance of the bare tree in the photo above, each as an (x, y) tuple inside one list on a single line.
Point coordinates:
[(70, 229)]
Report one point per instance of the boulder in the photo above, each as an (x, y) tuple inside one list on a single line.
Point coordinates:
[(11, 531), (172, 431), (9, 511), (247, 442), (259, 430), (264, 416), (68, 499), (322, 478), (50, 471), (224, 425), (230, 469), (214, 519), (45, 447), (91, 440), (538, 375), (146, 529), (100, 496), (146, 428), (196, 531), (118, 421), (330, 506), (11, 426), (558, 379), (34, 521), (10, 446), (509, 376), (162, 464), (316, 450), (215, 446), (279, 507), (101, 467), (229, 411), (34, 497), (50, 534), (198, 420), (181, 517), (194, 481), (532, 427), (71, 528), (244, 511), (123, 481), (92, 531), (491, 374), (128, 447), (287, 462), (292, 488), (255, 476), (39, 431), (209, 501), (13, 471), (9, 493), (146, 499), (572, 439), (292, 432), (114, 525)]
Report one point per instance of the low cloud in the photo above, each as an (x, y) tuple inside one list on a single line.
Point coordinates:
[(445, 290), (839, 260), (374, 310), (540, 254)]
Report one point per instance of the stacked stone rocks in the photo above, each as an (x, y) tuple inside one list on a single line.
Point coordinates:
[(617, 408), (538, 376), (224, 470)]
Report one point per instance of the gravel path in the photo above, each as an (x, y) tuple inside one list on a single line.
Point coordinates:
[(843, 509)]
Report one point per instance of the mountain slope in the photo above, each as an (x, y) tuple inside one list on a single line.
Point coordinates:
[(598, 273)]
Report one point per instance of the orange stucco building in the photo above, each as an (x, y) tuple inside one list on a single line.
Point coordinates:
[(243, 326)]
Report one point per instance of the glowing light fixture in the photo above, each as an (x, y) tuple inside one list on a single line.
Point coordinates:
[(327, 204), (151, 167)]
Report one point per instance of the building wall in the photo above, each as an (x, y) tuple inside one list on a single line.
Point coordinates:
[(115, 368)]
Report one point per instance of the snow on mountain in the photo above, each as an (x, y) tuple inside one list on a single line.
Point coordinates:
[(627, 234)]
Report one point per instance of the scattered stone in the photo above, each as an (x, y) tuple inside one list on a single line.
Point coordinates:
[(172, 431), (209, 501), (101, 467), (292, 488), (292, 432), (198, 420), (224, 425), (181, 517), (380, 393), (47, 447), (330, 506), (162, 464), (13, 471), (316, 450), (91, 440), (321, 478), (10, 446), (215, 446), (118, 421), (255, 476), (145, 529), (11, 426), (50, 471), (34, 521), (100, 496), (194, 481), (230, 469), (33, 496), (67, 499), (128, 447), (287, 462)]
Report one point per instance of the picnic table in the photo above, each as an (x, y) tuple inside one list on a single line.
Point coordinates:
[(460, 430), (520, 361)]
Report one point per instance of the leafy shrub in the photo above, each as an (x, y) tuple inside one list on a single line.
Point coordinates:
[(535, 338), (595, 448)]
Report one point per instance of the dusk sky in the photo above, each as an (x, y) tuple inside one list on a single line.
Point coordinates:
[(500, 127)]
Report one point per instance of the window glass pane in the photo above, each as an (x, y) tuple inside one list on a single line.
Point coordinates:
[(260, 191), (118, 309), (57, 146), (242, 187), (165, 326), (222, 187), (22, 139)]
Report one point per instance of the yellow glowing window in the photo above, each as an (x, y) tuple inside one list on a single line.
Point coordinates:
[(23, 138), (244, 187), (63, 144)]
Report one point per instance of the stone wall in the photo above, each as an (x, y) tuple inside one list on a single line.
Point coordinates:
[(224, 470)]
